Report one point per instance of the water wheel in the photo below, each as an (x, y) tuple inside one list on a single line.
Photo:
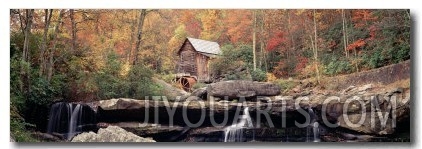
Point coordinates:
[(187, 82)]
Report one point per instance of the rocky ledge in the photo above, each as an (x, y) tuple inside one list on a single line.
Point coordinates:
[(378, 110), (110, 134)]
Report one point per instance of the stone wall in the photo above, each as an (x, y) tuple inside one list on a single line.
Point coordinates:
[(384, 75)]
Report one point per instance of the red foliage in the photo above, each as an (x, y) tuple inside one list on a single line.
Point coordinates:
[(357, 44), (302, 61), (275, 41)]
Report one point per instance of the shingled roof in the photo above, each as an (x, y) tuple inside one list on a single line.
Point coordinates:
[(204, 46)]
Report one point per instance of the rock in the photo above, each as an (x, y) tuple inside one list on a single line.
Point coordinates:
[(200, 92), (365, 87), (304, 93), (348, 89), (283, 98), (373, 123), (192, 98), (357, 90), (46, 137), (169, 89), (396, 90), (264, 99), (239, 88), (110, 134), (366, 126), (120, 103), (160, 133)]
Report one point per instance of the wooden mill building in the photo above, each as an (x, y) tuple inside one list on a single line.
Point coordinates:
[(195, 55)]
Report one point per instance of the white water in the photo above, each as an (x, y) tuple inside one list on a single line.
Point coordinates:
[(76, 116), (234, 133), (314, 126), (65, 119)]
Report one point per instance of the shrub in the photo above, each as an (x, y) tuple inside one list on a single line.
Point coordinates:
[(231, 59), (258, 75), (338, 67), (286, 85), (108, 79), (140, 84)]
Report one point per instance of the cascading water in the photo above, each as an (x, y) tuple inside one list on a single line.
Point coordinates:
[(70, 119), (75, 119), (234, 133), (315, 127), (312, 127)]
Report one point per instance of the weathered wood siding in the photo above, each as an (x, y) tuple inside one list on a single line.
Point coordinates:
[(193, 62), (187, 62), (202, 63)]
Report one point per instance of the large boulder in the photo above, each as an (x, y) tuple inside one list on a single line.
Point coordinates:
[(241, 88), (121, 103), (382, 113), (110, 134), (171, 92), (200, 92)]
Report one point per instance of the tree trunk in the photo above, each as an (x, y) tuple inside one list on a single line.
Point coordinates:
[(50, 65), (316, 48), (292, 43), (21, 22), (25, 52), (139, 37), (344, 33), (132, 38), (72, 20), (254, 40), (47, 20), (261, 40)]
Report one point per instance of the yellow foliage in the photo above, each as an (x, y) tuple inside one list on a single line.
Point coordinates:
[(271, 77)]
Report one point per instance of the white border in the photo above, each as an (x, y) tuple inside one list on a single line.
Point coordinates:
[(268, 4)]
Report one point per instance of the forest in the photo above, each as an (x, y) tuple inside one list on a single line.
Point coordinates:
[(78, 55)]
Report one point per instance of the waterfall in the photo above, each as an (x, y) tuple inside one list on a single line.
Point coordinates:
[(70, 119), (234, 133), (75, 119), (314, 126)]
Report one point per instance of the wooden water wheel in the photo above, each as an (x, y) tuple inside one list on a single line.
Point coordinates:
[(187, 82)]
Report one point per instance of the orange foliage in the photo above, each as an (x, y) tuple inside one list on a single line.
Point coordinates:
[(361, 17), (357, 44)]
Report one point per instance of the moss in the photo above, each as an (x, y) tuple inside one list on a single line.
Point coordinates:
[(286, 85), (198, 85), (18, 126)]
